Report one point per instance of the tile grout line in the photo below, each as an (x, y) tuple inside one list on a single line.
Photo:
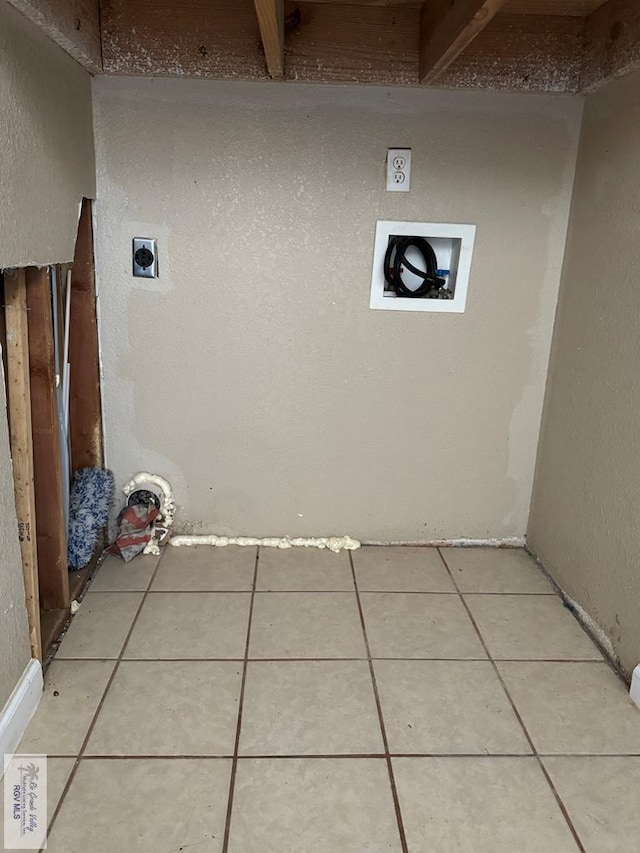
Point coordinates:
[(518, 716), (196, 591), (383, 731), (316, 755), (234, 764), (100, 705), (331, 660)]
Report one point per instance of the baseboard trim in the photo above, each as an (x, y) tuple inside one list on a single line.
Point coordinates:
[(634, 692), (19, 709)]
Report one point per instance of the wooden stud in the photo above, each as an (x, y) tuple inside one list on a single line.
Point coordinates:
[(53, 572), (19, 407), (85, 415), (446, 28), (271, 22)]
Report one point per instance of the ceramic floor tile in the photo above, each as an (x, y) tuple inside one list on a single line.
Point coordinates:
[(401, 625), (602, 798), (309, 707), (114, 575), (100, 627), (71, 695), (191, 625), (313, 805), (146, 806), (495, 570), (306, 625), (169, 708), (574, 708), (304, 569), (401, 569), (206, 568), (530, 627), (447, 707), (479, 805), (58, 771)]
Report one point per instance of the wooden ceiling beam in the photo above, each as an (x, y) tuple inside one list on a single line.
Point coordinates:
[(447, 27), (271, 22)]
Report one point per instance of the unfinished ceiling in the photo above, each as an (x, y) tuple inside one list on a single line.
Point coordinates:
[(531, 45)]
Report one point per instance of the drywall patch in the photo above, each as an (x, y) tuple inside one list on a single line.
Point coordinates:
[(331, 543)]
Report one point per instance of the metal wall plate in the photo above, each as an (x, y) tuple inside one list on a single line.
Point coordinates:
[(145, 257)]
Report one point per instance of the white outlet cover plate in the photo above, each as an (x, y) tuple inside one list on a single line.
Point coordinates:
[(390, 302), (398, 170)]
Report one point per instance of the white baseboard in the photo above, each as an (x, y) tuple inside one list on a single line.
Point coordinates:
[(635, 686), (20, 707)]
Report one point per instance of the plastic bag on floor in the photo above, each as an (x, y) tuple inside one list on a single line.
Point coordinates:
[(135, 529)]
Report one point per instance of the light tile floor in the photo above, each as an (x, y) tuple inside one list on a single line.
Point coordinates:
[(394, 699)]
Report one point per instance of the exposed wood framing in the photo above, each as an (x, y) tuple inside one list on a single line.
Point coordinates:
[(271, 21), (612, 43), (72, 24), (327, 42), (85, 418), (53, 572), (447, 27), (195, 38), (212, 38), (367, 2), (494, 44), (19, 408), (579, 8), (530, 53)]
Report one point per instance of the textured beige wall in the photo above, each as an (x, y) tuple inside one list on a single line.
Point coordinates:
[(253, 374), (585, 512), (46, 145)]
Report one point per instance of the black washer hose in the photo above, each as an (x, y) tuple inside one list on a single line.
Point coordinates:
[(393, 269)]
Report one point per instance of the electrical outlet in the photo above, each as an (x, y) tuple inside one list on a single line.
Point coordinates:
[(399, 170), (145, 257)]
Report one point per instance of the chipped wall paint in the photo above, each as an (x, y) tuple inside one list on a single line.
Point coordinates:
[(590, 625), (276, 400)]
